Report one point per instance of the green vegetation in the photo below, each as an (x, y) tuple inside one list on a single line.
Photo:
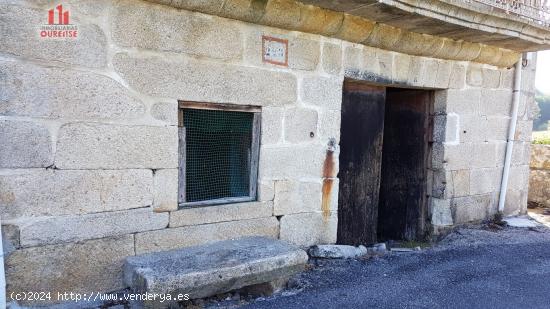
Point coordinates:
[(541, 129), (541, 123), (542, 137)]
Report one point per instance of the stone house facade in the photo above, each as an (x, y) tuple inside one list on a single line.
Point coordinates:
[(89, 159)]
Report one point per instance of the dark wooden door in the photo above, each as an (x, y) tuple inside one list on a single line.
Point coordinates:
[(404, 164), (360, 162)]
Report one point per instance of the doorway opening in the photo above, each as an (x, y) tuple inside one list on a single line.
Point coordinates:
[(385, 155)]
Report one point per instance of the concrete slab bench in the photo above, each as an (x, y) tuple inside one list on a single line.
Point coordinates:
[(214, 268)]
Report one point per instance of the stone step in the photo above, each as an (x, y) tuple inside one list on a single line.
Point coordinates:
[(214, 268)]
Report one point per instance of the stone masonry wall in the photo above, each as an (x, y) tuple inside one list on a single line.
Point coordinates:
[(539, 178), (471, 125), (89, 156)]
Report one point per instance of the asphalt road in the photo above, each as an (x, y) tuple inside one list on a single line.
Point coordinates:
[(470, 269)]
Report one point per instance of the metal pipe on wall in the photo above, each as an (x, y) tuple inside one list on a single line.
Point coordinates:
[(511, 133)]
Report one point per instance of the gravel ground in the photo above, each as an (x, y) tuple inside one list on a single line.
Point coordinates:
[(470, 268)]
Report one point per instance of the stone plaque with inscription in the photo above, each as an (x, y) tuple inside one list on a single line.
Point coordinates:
[(275, 50)]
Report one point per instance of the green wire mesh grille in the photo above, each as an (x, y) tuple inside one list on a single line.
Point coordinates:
[(217, 159)]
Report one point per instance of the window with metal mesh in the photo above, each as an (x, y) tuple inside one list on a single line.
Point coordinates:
[(218, 151)]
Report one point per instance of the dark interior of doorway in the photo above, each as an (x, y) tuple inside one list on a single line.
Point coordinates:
[(384, 163)]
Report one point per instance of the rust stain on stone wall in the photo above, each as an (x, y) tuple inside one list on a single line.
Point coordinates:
[(325, 204), (328, 165), (328, 181)]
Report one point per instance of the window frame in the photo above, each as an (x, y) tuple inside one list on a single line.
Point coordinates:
[(254, 152)]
